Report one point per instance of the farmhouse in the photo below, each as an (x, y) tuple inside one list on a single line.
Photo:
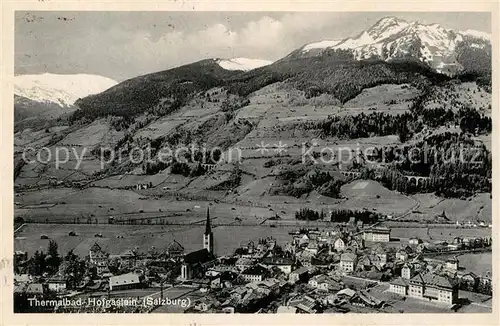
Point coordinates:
[(56, 284), (175, 249), (312, 246), (377, 234), (339, 244), (404, 253), (99, 259), (323, 283), (124, 281)]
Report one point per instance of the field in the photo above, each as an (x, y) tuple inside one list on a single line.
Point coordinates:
[(475, 208), (227, 238), (438, 233), (371, 195), (98, 132), (388, 98), (479, 264), (453, 95), (160, 127)]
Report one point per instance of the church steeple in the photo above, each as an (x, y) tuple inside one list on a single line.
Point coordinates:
[(208, 228), (208, 236)]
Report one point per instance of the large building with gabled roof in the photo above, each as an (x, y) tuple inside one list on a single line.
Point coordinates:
[(431, 287)]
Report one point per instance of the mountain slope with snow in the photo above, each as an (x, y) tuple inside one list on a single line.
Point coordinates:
[(63, 90), (393, 38), (244, 64)]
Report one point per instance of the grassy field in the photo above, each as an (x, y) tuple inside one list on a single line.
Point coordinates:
[(479, 263), (160, 127), (367, 194), (438, 233), (227, 239), (98, 132), (475, 208)]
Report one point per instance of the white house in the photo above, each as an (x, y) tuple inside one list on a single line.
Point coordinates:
[(339, 244), (348, 262)]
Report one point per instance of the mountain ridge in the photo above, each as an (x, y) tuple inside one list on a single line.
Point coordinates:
[(391, 37)]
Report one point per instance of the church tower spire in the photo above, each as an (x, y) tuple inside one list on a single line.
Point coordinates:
[(208, 236)]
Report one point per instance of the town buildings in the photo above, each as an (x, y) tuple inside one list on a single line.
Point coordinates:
[(285, 264), (348, 262), (399, 285), (255, 273), (377, 234), (300, 274), (434, 287)]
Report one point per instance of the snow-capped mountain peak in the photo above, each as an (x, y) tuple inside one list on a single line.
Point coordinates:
[(476, 34), (390, 38), (386, 27), (61, 89), (243, 64)]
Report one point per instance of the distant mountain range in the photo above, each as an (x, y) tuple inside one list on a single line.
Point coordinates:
[(391, 51), (63, 90), (41, 98), (393, 38)]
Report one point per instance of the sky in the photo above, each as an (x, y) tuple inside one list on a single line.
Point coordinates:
[(122, 45)]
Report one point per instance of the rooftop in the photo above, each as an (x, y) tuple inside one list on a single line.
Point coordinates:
[(301, 270), (348, 256), (431, 279), (129, 278), (399, 281), (277, 261), (199, 256), (378, 230), (255, 270)]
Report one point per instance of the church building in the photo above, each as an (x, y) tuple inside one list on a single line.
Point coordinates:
[(196, 262)]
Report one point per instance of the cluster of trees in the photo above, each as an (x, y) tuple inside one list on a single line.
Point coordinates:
[(229, 183), (229, 105), (455, 164), (343, 215), (300, 181), (346, 79), (121, 122), (180, 168), (309, 214), (42, 262), (482, 286), (469, 119), (368, 125), (338, 215), (74, 268), (153, 167)]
